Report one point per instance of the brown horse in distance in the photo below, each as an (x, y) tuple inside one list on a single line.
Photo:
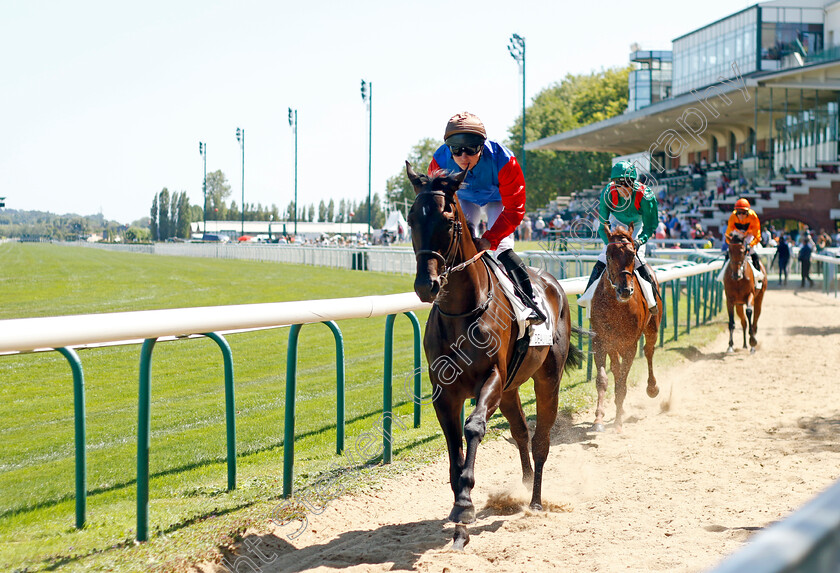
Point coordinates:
[(618, 317), (741, 294), (469, 341)]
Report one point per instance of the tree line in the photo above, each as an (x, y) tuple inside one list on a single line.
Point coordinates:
[(171, 212)]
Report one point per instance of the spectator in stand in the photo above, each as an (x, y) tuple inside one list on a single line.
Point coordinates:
[(806, 248), (661, 230), (527, 227)]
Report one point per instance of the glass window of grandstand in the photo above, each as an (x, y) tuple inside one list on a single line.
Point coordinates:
[(789, 36), (700, 58)]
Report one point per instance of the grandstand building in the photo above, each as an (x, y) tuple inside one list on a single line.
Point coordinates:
[(756, 93)]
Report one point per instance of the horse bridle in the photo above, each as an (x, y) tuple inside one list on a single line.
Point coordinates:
[(448, 257), (624, 271)]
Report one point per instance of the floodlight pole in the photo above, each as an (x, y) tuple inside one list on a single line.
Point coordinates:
[(240, 137), (367, 97), (293, 119), (202, 149), (517, 51)]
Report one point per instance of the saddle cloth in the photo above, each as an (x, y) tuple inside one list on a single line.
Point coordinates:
[(586, 298), (541, 334), (759, 276)]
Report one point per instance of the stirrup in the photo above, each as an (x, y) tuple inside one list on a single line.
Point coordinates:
[(535, 318)]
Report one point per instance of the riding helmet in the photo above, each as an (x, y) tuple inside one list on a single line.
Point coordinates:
[(464, 129), (742, 204), (623, 170)]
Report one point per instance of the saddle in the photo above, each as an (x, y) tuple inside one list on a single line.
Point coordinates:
[(533, 335)]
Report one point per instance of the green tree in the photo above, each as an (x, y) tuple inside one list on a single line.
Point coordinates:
[(153, 223), (183, 229), (322, 211), (331, 211), (311, 215), (398, 188), (575, 101), (290, 211), (218, 190)]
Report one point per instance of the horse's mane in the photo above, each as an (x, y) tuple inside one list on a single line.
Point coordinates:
[(736, 238), (623, 231)]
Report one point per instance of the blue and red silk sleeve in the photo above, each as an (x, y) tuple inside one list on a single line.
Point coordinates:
[(512, 190)]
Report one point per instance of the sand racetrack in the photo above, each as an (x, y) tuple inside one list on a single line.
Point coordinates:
[(731, 444)]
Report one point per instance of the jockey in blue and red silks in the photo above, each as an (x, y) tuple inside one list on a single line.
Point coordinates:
[(495, 182)]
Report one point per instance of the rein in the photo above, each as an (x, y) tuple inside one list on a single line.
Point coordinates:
[(448, 257)]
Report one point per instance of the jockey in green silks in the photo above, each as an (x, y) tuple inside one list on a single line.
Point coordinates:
[(624, 200)]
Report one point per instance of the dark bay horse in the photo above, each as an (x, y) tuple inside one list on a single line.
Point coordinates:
[(618, 318), (741, 294), (470, 336)]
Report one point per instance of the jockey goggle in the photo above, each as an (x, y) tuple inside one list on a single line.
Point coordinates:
[(623, 182), (741, 212), (459, 150)]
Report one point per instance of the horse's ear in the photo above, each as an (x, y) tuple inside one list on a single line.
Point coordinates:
[(607, 229), (451, 184), (630, 228), (415, 179)]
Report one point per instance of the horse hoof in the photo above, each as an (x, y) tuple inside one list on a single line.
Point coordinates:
[(752, 350), (653, 391), (462, 514), (461, 538), (596, 427), (730, 350), (536, 506)]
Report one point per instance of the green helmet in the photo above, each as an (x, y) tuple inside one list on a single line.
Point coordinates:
[(623, 170)]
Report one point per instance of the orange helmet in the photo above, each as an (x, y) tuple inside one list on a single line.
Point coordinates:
[(742, 204)]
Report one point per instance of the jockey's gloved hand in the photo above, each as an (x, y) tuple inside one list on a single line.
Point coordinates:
[(636, 244)]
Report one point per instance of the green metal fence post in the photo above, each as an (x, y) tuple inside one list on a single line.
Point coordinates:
[(339, 386), (289, 422), (144, 422), (688, 286), (417, 378), (675, 294), (79, 419), (387, 390), (230, 407), (663, 323), (697, 293)]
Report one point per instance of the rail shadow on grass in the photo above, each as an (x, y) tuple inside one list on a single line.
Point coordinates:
[(221, 460)]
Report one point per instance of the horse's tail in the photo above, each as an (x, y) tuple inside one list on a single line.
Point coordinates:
[(574, 359)]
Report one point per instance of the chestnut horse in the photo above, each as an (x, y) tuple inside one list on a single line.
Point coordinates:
[(618, 317), (741, 294), (470, 336)]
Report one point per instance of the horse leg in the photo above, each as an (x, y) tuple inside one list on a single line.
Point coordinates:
[(620, 367), (601, 381), (511, 408), (730, 308), (448, 411), (546, 388), (651, 335), (743, 317), (751, 328), (489, 397)]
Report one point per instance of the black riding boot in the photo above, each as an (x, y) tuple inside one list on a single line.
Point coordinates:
[(596, 272), (517, 272), (755, 261), (645, 273)]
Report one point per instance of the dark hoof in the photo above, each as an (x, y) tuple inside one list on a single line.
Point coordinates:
[(536, 506), (653, 391), (596, 427), (461, 538), (462, 514)]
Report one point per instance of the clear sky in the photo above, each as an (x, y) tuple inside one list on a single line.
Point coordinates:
[(104, 103)]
